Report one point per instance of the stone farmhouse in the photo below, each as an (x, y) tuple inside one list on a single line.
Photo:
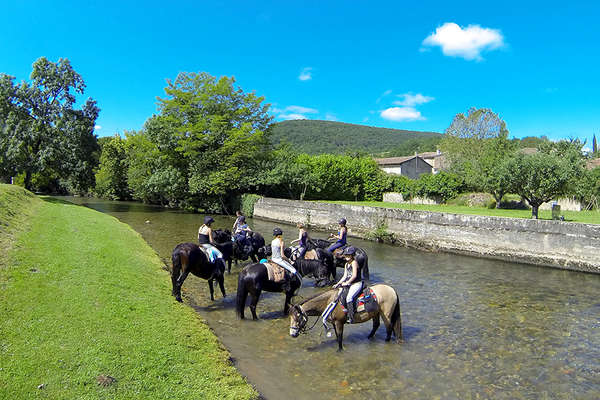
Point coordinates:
[(413, 166)]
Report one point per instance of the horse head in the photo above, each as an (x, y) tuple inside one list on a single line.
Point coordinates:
[(298, 320)]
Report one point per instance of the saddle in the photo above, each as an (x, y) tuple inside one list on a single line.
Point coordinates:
[(209, 253), (337, 253), (366, 301), (275, 272), (309, 255)]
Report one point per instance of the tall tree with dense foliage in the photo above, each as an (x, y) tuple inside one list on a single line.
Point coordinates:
[(42, 132), (209, 133), (476, 144), (111, 178)]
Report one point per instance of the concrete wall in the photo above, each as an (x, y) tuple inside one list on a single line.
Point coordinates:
[(550, 243), (393, 197)]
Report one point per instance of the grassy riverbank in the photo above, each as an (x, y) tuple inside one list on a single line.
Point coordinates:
[(84, 298), (587, 217)]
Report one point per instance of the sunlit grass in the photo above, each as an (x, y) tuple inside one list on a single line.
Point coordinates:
[(83, 296), (588, 217)]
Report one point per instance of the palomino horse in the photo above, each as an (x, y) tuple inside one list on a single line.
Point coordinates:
[(388, 308), (188, 257), (253, 279)]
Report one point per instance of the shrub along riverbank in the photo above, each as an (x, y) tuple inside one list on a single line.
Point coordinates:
[(85, 303)]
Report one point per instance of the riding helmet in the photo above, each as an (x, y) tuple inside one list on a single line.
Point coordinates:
[(342, 221), (242, 219), (208, 220), (277, 232), (349, 251)]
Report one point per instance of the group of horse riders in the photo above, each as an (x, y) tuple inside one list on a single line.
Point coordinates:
[(350, 284)]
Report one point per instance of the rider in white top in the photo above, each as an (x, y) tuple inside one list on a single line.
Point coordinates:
[(278, 257)]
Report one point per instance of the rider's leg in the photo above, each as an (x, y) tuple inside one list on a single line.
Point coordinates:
[(354, 289), (334, 246)]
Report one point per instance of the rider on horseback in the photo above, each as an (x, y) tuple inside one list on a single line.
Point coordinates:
[(277, 255), (205, 239), (351, 282), (302, 240), (341, 236)]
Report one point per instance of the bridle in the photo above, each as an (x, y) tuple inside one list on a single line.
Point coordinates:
[(301, 324)]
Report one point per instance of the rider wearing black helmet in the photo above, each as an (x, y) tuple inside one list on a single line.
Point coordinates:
[(341, 236), (205, 238), (351, 282)]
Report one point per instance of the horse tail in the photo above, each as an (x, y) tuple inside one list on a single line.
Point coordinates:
[(366, 269), (176, 270), (396, 320), (242, 293)]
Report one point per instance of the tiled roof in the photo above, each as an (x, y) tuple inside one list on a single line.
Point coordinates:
[(393, 160)]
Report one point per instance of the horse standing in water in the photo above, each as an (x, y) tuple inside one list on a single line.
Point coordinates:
[(253, 279), (225, 245), (338, 259), (388, 308), (188, 257)]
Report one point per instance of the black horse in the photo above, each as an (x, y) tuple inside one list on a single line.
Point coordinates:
[(223, 241), (320, 269), (338, 259), (240, 251), (253, 279), (188, 257), (325, 257)]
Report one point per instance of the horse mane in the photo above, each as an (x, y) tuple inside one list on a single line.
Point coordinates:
[(315, 296)]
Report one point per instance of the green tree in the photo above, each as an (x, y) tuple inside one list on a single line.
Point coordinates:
[(210, 134), (491, 172), (541, 177), (41, 132), (111, 178)]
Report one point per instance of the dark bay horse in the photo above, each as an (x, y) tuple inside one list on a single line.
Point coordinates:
[(338, 259), (388, 308), (320, 269), (325, 257), (223, 241), (188, 257), (237, 250), (253, 279)]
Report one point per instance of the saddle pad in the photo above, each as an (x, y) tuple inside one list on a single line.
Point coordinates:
[(338, 252), (209, 252), (363, 300), (275, 271)]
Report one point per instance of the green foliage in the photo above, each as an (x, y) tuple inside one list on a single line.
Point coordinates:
[(441, 186), (111, 178), (247, 202), (381, 234), (545, 175), (42, 133), (531, 141), (412, 146), (319, 137), (588, 189)]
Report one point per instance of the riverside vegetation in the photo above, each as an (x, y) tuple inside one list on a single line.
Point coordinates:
[(86, 312)]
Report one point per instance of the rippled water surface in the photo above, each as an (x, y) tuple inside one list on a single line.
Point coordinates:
[(473, 328)]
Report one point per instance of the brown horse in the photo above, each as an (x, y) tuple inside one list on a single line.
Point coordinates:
[(188, 257), (388, 308)]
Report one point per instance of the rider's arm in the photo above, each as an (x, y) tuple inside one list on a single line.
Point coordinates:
[(210, 238), (342, 279), (354, 273), (199, 229)]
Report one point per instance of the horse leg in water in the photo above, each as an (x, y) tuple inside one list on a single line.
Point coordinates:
[(339, 332), (228, 266), (376, 323), (288, 299), (212, 290), (254, 301), (221, 280)]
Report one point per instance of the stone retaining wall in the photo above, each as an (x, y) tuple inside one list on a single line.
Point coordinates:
[(557, 244)]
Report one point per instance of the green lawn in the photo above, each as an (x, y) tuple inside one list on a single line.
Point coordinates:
[(81, 296), (588, 217)]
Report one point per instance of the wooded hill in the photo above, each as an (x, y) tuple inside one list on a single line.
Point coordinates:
[(318, 137)]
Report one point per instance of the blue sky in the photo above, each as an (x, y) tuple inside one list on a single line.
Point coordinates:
[(390, 64)]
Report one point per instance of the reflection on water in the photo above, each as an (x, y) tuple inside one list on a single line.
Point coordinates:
[(473, 328)]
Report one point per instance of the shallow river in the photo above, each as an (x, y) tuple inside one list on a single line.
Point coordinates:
[(473, 328)]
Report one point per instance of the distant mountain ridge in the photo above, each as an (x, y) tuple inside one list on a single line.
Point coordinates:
[(317, 137)]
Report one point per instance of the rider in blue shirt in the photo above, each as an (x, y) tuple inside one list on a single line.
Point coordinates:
[(341, 236)]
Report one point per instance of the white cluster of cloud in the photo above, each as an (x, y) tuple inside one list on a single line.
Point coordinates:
[(294, 112), (405, 110), (305, 74), (467, 43), (97, 127)]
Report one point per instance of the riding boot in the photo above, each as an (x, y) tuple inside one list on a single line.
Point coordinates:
[(350, 308)]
